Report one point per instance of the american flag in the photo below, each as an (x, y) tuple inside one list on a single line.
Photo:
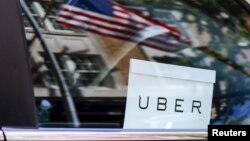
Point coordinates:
[(111, 19)]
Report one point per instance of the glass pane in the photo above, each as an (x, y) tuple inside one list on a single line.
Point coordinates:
[(213, 35)]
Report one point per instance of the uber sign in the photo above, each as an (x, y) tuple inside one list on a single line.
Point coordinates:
[(17, 107), (162, 96)]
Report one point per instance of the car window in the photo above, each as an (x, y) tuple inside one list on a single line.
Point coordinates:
[(212, 34)]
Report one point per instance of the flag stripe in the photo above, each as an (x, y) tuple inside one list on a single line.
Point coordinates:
[(123, 24), (102, 26), (154, 42), (118, 22), (132, 16), (132, 19), (93, 27), (155, 46), (124, 32), (80, 18)]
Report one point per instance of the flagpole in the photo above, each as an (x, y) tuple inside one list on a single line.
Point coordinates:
[(68, 100)]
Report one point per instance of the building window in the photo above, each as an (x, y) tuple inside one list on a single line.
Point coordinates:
[(87, 69), (34, 13)]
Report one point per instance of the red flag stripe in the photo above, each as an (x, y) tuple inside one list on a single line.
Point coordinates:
[(124, 25), (94, 23), (114, 33), (125, 32), (104, 18), (134, 17), (79, 18)]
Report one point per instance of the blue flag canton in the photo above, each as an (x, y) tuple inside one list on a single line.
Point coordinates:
[(104, 7)]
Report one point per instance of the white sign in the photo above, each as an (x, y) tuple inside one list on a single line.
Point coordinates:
[(162, 96)]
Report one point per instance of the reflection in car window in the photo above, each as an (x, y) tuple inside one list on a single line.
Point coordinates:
[(214, 35)]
